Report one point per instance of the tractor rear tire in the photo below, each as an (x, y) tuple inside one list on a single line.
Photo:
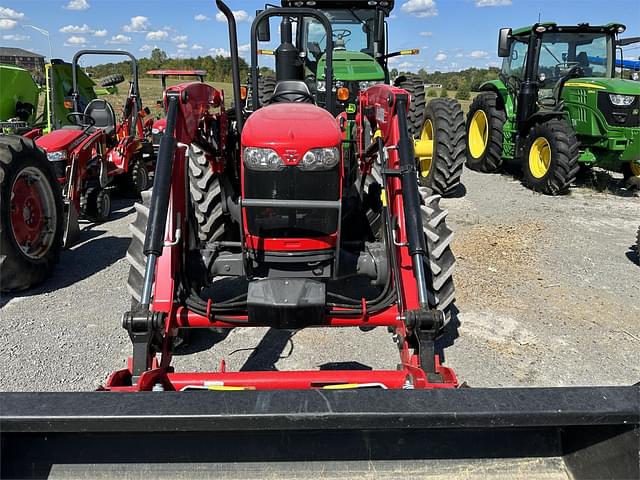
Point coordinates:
[(205, 191), (112, 80), (485, 122), (441, 261), (549, 155), (98, 204), (444, 129), (21, 266), (135, 255), (415, 86), (266, 87)]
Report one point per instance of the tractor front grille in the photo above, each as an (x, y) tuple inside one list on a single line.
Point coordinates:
[(291, 185), (619, 116)]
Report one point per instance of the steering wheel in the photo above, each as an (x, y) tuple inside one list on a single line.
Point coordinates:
[(82, 116), (341, 32)]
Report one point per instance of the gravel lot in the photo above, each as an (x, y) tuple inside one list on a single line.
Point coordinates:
[(548, 294)]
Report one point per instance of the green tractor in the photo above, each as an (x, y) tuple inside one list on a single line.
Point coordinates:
[(360, 60), (557, 107)]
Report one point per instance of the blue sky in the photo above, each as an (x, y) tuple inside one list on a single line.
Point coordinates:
[(451, 34)]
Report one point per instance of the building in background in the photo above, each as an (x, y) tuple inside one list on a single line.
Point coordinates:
[(33, 62)]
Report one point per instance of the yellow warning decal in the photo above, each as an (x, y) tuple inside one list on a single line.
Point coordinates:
[(583, 85)]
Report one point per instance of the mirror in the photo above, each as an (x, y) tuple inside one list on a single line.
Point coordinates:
[(504, 42), (379, 33), (264, 33)]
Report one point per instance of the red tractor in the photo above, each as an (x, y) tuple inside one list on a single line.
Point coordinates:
[(160, 124), (275, 197), (98, 152)]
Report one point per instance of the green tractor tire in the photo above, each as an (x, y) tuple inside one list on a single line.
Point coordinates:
[(549, 156), (485, 122), (440, 147)]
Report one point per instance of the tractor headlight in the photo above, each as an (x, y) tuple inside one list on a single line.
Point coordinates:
[(320, 159), (369, 83), (621, 100), (262, 159), (57, 156), (321, 85)]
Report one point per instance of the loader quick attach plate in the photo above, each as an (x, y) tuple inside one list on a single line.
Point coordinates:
[(286, 302)]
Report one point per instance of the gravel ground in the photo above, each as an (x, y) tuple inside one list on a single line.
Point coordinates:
[(548, 294)]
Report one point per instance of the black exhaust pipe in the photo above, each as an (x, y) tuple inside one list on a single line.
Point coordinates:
[(235, 64)]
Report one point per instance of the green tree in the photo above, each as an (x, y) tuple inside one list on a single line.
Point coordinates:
[(463, 92), (432, 92), (443, 93), (158, 57)]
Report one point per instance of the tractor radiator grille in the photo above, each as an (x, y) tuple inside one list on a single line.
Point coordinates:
[(619, 116)]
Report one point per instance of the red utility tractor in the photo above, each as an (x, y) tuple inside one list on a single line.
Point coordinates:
[(99, 152), (276, 198), (160, 123)]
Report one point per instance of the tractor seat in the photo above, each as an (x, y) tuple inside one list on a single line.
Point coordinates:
[(102, 113), (291, 91)]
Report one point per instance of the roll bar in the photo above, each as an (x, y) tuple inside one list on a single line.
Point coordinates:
[(134, 73)]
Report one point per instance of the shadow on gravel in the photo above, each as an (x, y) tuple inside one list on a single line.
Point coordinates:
[(459, 192), (269, 351), (603, 181), (449, 335), (200, 339), (633, 255), (345, 366), (77, 264)]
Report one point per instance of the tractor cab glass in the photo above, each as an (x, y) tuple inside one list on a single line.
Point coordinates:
[(352, 31), (513, 65), (592, 52)]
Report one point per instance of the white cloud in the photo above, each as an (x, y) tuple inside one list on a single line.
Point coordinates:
[(16, 38), (426, 34), (74, 41), (246, 48), (493, 64), (147, 48), (406, 65), (493, 3), (7, 24), (137, 24), (195, 46), (157, 35), (420, 8), (182, 46), (100, 33), (240, 15), (479, 54), (219, 51), (179, 38), (459, 55), (10, 13), (441, 57), (201, 18), (119, 40), (76, 29), (77, 5)]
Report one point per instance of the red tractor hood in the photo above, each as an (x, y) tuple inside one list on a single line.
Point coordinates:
[(61, 139), (291, 129)]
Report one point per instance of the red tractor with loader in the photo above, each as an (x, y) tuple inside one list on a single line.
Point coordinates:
[(255, 220), (161, 122), (99, 152)]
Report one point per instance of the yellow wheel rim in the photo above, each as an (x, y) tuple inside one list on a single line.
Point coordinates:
[(540, 157), (478, 134), (635, 169), (423, 148)]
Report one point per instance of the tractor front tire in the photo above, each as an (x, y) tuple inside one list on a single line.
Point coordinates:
[(98, 204), (206, 196), (136, 180), (549, 155), (442, 139), (415, 86), (112, 80), (485, 122), (31, 215), (441, 261)]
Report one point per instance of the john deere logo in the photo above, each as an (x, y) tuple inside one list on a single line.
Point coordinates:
[(351, 108)]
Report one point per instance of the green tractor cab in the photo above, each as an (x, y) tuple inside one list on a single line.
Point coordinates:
[(19, 98), (360, 61), (557, 106)]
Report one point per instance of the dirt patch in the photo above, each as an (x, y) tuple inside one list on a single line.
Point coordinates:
[(495, 259)]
